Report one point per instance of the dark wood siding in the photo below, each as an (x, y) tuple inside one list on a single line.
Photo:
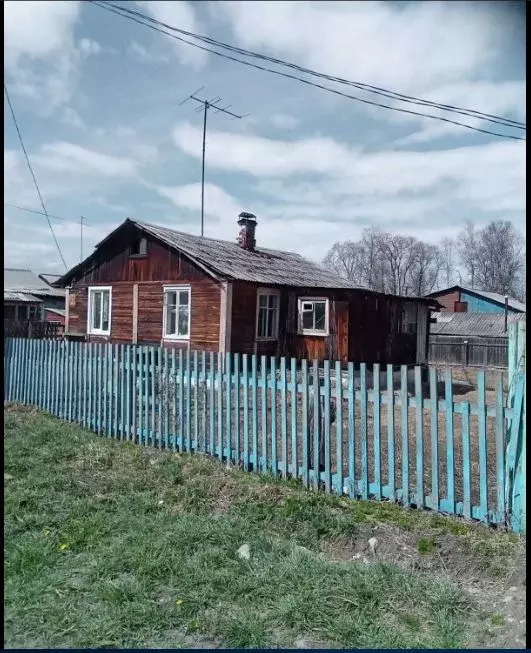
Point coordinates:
[(161, 266), (290, 343)]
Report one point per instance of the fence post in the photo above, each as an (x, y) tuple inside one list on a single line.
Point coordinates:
[(515, 477), (515, 471)]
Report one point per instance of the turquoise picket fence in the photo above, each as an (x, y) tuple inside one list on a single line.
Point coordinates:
[(364, 431)]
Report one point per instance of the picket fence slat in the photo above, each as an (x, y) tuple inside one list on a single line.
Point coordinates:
[(339, 429), (283, 417), (482, 436), (294, 420), (351, 433), (419, 424), (450, 470), (405, 434)]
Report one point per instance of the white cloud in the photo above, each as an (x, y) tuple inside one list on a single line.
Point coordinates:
[(89, 47), (182, 15), (41, 55), (218, 203), (141, 53), (498, 168), (403, 46), (37, 29), (262, 156), (72, 158), (283, 121), (72, 118)]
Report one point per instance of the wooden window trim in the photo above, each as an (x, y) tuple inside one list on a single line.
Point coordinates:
[(176, 288), (90, 330), (314, 332), (261, 293)]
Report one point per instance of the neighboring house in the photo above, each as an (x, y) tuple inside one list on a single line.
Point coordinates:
[(471, 338), (149, 284), (26, 296), (458, 299)]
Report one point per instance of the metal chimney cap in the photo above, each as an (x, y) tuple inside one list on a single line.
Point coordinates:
[(244, 216)]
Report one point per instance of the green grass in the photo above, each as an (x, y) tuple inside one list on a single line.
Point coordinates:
[(111, 545)]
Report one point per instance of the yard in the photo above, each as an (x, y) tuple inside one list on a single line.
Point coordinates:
[(108, 544)]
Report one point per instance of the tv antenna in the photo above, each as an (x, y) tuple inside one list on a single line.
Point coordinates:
[(205, 105)]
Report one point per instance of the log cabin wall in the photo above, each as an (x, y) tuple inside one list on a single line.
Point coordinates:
[(160, 266)]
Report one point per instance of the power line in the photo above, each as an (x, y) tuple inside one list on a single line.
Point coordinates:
[(141, 18), (205, 105), (53, 217), (33, 175), (361, 85)]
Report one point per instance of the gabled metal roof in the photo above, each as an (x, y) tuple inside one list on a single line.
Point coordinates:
[(26, 281), (492, 296)]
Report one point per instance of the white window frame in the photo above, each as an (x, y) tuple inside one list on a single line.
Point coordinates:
[(90, 329), (173, 288), (267, 292), (314, 332)]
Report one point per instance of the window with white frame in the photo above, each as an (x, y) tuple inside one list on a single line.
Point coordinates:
[(99, 311), (176, 320), (313, 316), (267, 315)]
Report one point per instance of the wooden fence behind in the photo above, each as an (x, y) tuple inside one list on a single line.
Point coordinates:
[(370, 433), (469, 351), (32, 329)]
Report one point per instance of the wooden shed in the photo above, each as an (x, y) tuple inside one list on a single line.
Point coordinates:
[(149, 284)]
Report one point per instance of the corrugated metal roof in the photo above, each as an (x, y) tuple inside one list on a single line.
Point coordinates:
[(13, 296), (26, 281), (57, 311), (493, 296), (265, 266), (490, 325), (50, 278)]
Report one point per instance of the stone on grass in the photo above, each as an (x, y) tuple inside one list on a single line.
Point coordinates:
[(373, 543)]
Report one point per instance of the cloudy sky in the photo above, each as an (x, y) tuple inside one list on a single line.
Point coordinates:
[(97, 99)]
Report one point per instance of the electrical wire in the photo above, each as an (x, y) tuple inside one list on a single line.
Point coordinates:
[(53, 217), (33, 174), (131, 14)]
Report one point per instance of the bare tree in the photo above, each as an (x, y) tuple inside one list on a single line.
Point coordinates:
[(448, 269), (494, 258), (425, 269), (468, 252)]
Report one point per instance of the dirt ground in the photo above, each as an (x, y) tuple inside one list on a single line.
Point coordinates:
[(496, 581)]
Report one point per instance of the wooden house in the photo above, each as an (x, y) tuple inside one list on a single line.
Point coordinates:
[(458, 299), (32, 307), (149, 284)]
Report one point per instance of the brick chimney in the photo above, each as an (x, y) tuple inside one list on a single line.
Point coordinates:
[(247, 222)]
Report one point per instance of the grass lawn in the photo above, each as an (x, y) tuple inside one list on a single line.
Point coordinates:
[(111, 545)]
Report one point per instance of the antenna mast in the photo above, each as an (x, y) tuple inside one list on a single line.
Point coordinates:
[(205, 105)]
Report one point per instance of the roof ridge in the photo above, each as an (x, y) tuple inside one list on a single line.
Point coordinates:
[(216, 240)]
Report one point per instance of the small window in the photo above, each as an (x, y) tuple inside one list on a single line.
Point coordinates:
[(267, 315), (313, 317), (138, 246), (99, 313), (176, 319), (34, 313)]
